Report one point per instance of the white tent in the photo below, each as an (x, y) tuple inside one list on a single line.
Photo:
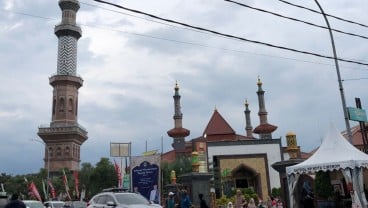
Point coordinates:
[(335, 153)]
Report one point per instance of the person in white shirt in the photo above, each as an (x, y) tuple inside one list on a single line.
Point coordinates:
[(155, 195)]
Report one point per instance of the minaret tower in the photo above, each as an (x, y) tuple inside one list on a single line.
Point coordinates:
[(178, 133), (64, 136), (248, 125), (264, 129)]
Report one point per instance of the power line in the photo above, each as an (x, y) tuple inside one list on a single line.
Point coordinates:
[(231, 36), (297, 20), (182, 42), (318, 12)]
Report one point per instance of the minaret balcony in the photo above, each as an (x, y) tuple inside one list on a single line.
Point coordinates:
[(62, 129)]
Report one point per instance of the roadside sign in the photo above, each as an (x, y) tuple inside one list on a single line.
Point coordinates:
[(357, 114)]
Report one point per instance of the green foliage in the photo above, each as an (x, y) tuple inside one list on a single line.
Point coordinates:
[(322, 185), (248, 193), (181, 165), (276, 192)]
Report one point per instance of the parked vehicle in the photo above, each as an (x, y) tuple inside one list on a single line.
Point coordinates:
[(75, 204), (3, 199), (54, 204), (119, 199), (33, 204)]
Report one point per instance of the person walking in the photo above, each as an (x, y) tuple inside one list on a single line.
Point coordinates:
[(170, 201), (251, 203), (185, 200), (240, 201), (15, 202), (202, 202)]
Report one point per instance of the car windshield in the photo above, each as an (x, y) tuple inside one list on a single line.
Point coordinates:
[(75, 204), (131, 198), (55, 204), (34, 204)]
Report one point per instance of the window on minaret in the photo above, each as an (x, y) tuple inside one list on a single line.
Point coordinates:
[(76, 107), (70, 107), (58, 152), (50, 152), (67, 152), (53, 106), (61, 105)]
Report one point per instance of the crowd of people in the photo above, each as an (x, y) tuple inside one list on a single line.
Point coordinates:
[(241, 202)]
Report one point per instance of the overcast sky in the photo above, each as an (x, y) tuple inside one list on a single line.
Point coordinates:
[(130, 63)]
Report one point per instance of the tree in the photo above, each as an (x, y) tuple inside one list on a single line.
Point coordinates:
[(181, 165), (103, 176), (323, 187)]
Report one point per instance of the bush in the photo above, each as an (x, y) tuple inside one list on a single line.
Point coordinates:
[(322, 185)]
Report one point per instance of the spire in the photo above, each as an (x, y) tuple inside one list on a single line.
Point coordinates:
[(248, 125), (178, 133), (264, 129), (261, 102), (64, 136), (68, 34)]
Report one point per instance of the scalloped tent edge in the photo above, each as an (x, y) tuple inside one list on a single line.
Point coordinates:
[(334, 154)]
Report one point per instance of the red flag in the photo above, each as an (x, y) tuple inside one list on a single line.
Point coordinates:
[(33, 189), (53, 192), (65, 180), (118, 173), (76, 183)]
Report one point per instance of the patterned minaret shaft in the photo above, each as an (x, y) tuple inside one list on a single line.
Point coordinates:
[(68, 34), (261, 102), (178, 133), (64, 136), (178, 115), (248, 125)]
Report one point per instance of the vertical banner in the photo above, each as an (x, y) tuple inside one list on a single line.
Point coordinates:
[(146, 176)]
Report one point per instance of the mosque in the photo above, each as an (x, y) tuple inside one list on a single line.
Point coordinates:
[(237, 161)]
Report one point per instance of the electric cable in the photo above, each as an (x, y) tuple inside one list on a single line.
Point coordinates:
[(231, 36), (297, 20)]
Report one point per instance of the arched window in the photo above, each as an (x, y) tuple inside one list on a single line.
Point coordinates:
[(58, 152), (53, 106), (67, 152), (61, 105), (70, 106), (50, 151)]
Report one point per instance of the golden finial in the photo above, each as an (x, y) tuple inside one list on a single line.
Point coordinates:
[(246, 102), (259, 81), (176, 85)]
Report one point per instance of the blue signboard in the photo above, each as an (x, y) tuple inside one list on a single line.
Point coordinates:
[(357, 114), (144, 177)]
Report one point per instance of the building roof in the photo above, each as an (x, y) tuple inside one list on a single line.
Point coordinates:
[(217, 125), (264, 129)]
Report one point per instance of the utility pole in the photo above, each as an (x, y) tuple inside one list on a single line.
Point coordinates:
[(347, 124)]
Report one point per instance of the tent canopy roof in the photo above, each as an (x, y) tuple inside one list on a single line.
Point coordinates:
[(335, 153)]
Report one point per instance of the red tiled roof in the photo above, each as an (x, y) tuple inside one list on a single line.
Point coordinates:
[(264, 128), (218, 126)]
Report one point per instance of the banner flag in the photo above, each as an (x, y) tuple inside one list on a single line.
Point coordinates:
[(65, 180), (52, 189), (33, 189), (76, 183), (118, 173), (44, 190)]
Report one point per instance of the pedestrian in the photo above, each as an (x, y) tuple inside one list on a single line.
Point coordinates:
[(240, 201), (170, 201), (185, 200), (15, 202), (251, 203), (230, 205), (202, 202)]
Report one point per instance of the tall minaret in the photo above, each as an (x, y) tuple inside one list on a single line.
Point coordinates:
[(264, 129), (178, 133), (64, 136), (248, 125)]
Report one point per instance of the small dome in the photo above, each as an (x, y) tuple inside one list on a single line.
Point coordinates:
[(290, 133)]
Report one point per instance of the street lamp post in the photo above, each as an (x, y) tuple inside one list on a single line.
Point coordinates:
[(347, 124), (48, 164)]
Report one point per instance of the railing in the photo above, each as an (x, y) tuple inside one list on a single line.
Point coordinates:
[(61, 127)]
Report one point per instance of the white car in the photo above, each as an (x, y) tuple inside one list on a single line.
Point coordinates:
[(120, 200), (54, 204), (33, 204)]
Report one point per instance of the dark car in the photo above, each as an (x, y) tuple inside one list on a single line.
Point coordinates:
[(75, 204)]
